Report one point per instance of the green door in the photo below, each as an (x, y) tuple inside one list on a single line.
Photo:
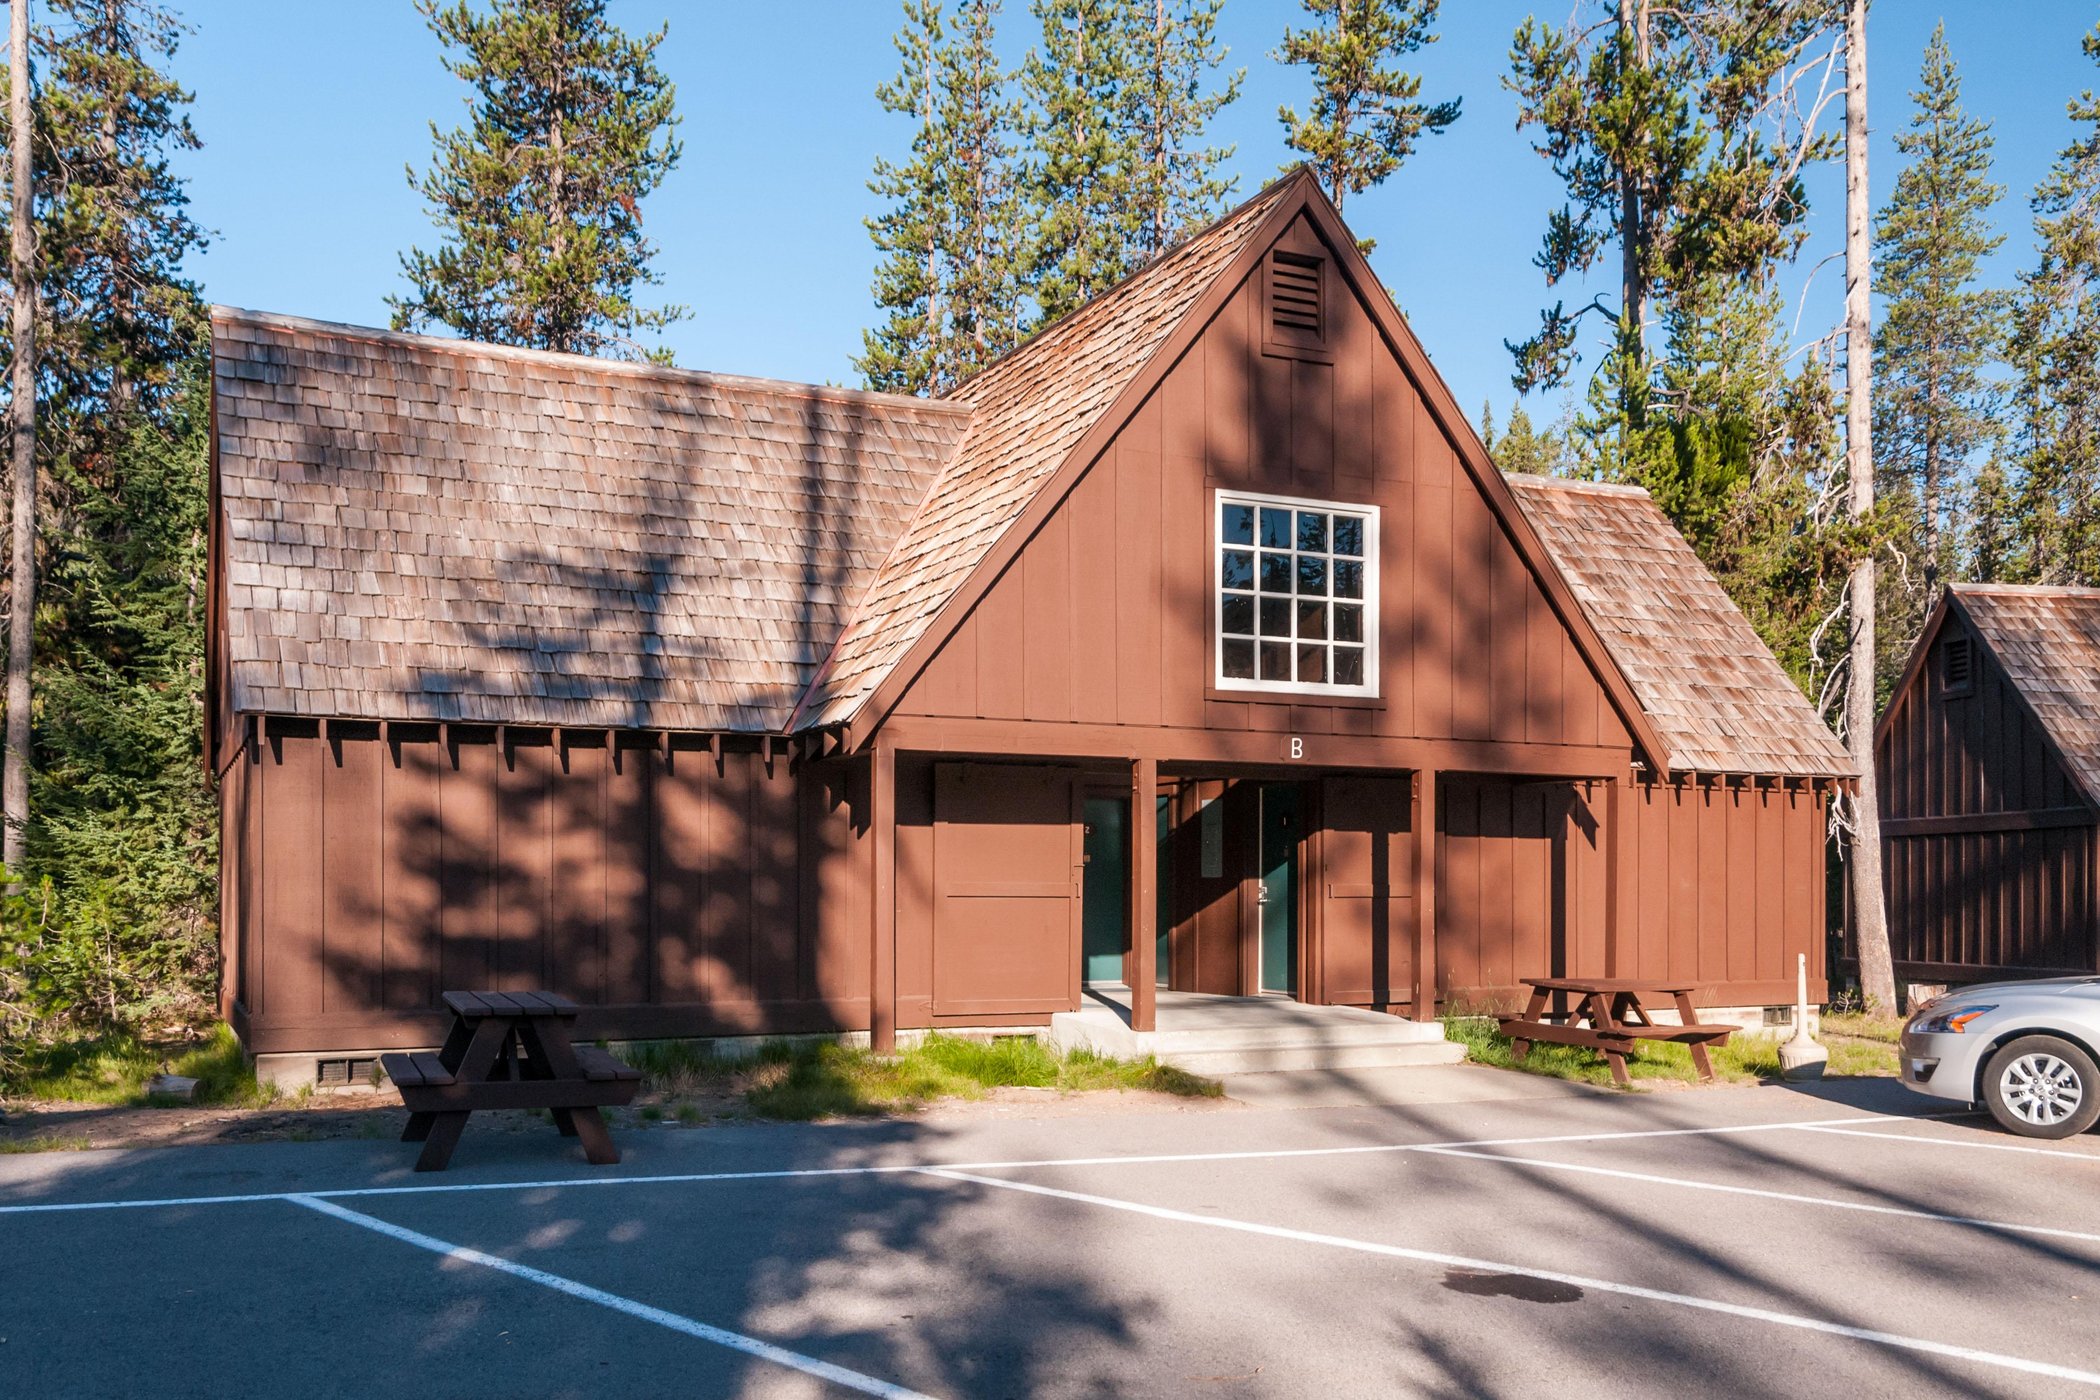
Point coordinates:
[(1105, 889), (1279, 887)]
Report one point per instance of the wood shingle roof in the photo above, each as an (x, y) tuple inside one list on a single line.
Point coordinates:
[(2048, 641), (1030, 410), (1710, 686), (418, 528)]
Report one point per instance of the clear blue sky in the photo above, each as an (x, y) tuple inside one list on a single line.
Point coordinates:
[(309, 113)]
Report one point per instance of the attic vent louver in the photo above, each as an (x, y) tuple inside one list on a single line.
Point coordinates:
[(1294, 294), (1957, 666)]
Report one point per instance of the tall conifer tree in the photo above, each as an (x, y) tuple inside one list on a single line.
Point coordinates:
[(903, 354), (1177, 185), (539, 197), (1940, 330), (1367, 113), (2055, 351), (1083, 153), (121, 825), (949, 237)]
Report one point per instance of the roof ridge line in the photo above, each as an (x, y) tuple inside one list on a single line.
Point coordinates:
[(1574, 483), (461, 347)]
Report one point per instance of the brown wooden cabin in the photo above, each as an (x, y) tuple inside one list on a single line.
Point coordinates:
[(1988, 765), (728, 706)]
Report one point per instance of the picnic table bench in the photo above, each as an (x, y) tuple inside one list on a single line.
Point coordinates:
[(1608, 1016), (509, 1050)]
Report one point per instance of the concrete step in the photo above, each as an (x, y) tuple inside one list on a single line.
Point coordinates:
[(1240, 1036)]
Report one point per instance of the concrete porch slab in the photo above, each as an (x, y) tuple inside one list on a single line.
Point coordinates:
[(1219, 1035)]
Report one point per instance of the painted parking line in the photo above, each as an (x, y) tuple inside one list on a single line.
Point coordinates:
[(735, 1341), (1949, 1142), (908, 1168), (1797, 1321), (1787, 1197)]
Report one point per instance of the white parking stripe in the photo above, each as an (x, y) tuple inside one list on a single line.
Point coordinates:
[(735, 1341), (1629, 1290), (1988, 1146), (797, 1173), (1789, 1197)]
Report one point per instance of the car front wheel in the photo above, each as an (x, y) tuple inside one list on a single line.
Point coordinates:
[(2040, 1086)]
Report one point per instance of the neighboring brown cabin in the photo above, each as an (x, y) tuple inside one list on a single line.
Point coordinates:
[(729, 707), (1988, 764)]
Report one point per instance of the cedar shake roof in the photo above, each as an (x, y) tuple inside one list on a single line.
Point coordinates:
[(2048, 641), (1709, 685), (1031, 409), (418, 528)]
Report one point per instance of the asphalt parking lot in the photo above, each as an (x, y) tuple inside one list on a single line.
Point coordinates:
[(1760, 1241)]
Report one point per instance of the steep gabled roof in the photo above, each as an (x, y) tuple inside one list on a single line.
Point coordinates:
[(1031, 409), (2048, 641), (418, 528), (1713, 690)]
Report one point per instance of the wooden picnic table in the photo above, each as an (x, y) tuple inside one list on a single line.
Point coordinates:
[(509, 1050), (1608, 1015)]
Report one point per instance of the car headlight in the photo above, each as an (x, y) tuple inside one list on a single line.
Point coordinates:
[(1954, 1020)]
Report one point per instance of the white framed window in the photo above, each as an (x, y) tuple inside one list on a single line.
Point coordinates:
[(1295, 604)]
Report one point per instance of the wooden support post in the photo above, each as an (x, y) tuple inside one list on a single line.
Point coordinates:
[(882, 899), (1144, 893), (1614, 814), (1424, 994)]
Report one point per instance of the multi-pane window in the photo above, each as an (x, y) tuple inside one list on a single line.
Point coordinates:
[(1297, 595)]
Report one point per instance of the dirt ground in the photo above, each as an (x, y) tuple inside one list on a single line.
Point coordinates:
[(49, 1126)]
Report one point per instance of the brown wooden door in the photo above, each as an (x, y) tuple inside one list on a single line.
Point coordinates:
[(1006, 864), (1366, 889)]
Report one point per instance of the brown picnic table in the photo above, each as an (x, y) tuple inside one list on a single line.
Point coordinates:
[(1608, 1015), (509, 1050)]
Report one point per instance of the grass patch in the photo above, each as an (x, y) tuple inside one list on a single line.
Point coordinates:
[(1745, 1059), (114, 1069), (46, 1142), (1857, 1025), (808, 1080)]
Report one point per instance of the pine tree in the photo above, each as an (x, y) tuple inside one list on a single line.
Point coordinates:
[(117, 227), (948, 279), (984, 315), (1676, 134), (1176, 185), (539, 196), (1523, 448), (1083, 154), (1367, 114), (126, 832), (2055, 350), (121, 836), (1933, 405), (913, 234)]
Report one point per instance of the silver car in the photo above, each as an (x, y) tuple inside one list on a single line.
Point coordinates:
[(2026, 1050)]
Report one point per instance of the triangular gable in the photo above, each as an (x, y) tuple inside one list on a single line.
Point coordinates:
[(949, 558), (2046, 642)]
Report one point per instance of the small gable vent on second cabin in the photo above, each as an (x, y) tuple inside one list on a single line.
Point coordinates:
[(1957, 665), (1295, 320)]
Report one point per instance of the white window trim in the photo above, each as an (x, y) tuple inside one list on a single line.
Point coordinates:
[(1371, 599)]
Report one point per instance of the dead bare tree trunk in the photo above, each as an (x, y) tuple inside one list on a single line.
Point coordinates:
[(1870, 916), (14, 773)]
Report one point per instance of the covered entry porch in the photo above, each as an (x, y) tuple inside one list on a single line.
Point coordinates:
[(1026, 893)]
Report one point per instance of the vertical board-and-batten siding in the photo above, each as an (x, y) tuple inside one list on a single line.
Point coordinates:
[(2018, 895), (673, 890), (1105, 615), (1720, 885)]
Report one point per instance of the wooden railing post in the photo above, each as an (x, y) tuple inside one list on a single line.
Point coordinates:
[(1144, 892)]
